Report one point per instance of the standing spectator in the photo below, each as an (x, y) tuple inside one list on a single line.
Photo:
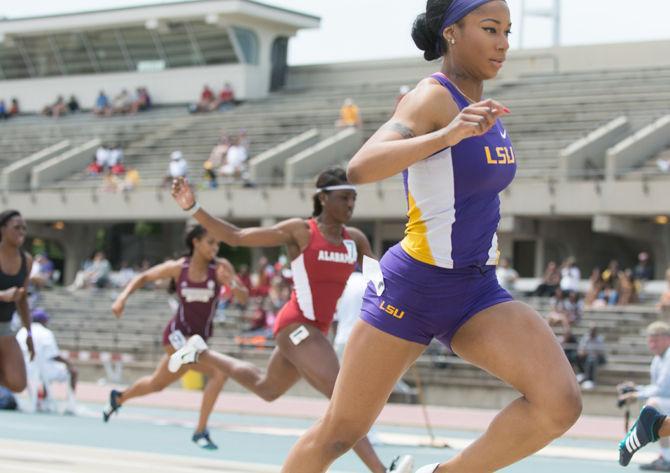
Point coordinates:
[(570, 275), (73, 104), (590, 356), (14, 107), (550, 281), (4, 114), (226, 98), (506, 275), (178, 167), (350, 115), (102, 107), (643, 271), (236, 160), (48, 366), (205, 102)]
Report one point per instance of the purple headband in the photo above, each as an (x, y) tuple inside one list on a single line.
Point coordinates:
[(457, 11)]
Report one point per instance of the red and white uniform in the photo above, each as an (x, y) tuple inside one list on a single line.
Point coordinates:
[(319, 276), (197, 305)]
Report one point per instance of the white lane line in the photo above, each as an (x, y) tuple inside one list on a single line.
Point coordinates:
[(73, 459)]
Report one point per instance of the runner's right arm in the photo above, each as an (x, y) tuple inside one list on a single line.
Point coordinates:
[(168, 269)]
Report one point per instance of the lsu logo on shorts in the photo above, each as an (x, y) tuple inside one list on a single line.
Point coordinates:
[(392, 310)]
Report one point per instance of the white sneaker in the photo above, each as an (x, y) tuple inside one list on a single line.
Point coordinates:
[(588, 385), (428, 468), (187, 354), (403, 464)]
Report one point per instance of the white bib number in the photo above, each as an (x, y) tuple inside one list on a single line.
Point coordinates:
[(177, 339)]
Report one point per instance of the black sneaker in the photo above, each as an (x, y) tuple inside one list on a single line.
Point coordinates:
[(639, 435), (202, 440), (113, 406)]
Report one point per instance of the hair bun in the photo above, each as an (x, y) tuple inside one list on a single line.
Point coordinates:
[(424, 38)]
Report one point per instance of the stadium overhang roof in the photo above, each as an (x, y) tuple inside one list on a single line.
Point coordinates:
[(212, 11)]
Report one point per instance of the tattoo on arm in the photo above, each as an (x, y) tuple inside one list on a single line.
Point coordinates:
[(401, 129)]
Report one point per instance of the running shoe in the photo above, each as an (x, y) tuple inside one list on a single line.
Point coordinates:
[(187, 354), (640, 434), (113, 405), (403, 464), (202, 440), (660, 464), (428, 468)]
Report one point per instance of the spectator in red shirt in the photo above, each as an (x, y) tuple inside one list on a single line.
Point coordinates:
[(226, 98), (206, 101)]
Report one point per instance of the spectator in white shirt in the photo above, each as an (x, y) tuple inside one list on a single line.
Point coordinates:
[(48, 366), (570, 275), (178, 167), (506, 275), (236, 160)]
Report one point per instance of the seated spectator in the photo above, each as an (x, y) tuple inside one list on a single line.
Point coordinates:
[(178, 167), (626, 287), (590, 356), (131, 180), (550, 281), (58, 108), (4, 113), (216, 160), (235, 163), (73, 104), (643, 271), (205, 102), (610, 279), (569, 344), (94, 274), (14, 107), (570, 275), (141, 102), (122, 103), (115, 160), (120, 279), (42, 271), (506, 275), (225, 100), (664, 302), (566, 310), (100, 160), (102, 106), (595, 286), (48, 366), (350, 115)]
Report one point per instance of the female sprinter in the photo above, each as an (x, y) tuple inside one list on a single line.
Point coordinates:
[(15, 266), (323, 253), (198, 278), (456, 157)]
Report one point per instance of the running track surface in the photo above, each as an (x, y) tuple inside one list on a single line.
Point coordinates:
[(152, 434)]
